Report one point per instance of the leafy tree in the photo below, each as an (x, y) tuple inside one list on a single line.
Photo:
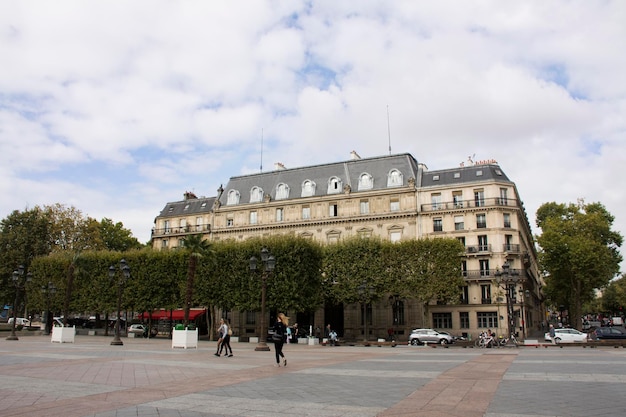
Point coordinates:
[(614, 296), (71, 231), (115, 237), (579, 252)]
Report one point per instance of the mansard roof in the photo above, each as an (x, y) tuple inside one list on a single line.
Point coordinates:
[(191, 204), (462, 175), (348, 172)]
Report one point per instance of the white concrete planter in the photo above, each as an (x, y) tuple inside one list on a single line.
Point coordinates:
[(313, 341), (63, 334), (254, 339), (185, 338), (234, 339)]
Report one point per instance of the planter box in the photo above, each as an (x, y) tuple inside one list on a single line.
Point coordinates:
[(253, 339), (313, 341), (234, 339), (185, 338), (63, 334)]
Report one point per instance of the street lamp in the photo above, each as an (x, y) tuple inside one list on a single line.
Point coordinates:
[(48, 291), (19, 281), (120, 285), (365, 295), (269, 262), (524, 294), (506, 279), (394, 301)]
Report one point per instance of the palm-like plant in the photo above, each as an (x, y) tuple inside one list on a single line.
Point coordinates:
[(196, 247)]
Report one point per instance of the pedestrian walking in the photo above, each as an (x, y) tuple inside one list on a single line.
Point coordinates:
[(226, 332), (280, 333), (552, 334), (220, 338)]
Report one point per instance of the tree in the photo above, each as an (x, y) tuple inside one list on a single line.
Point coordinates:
[(115, 237), (578, 251), (195, 247), (614, 296)]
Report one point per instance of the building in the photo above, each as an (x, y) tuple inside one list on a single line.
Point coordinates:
[(396, 198)]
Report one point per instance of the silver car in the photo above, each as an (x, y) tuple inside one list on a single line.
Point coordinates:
[(422, 336), (566, 336)]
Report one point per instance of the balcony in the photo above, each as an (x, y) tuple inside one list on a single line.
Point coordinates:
[(465, 204), (477, 249), (185, 230)]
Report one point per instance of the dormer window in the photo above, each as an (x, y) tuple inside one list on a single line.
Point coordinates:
[(282, 191), (394, 178), (308, 188), (366, 182), (334, 185), (233, 198), (256, 195)]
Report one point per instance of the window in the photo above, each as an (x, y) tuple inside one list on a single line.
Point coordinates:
[(464, 318), (479, 198), (457, 199), (333, 236), (398, 313), (253, 217), (332, 210), (334, 185), (435, 177), (364, 207), (394, 178), (306, 212), (485, 293), (507, 219), (364, 233), (183, 225), (366, 182), (435, 200), (464, 268), (282, 191), (457, 175), (487, 319), (483, 246), (503, 196), (481, 221), (464, 294), (230, 222), (395, 236), (279, 214), (442, 320), (164, 243), (368, 310), (479, 173), (166, 226), (484, 267), (459, 224), (508, 243), (186, 207), (437, 225), (198, 224), (233, 197), (394, 205), (462, 240), (250, 317), (308, 188), (256, 195)]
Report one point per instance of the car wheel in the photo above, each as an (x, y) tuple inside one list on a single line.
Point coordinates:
[(443, 342), (415, 342), (557, 340)]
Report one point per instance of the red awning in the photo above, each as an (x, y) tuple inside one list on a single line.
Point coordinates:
[(178, 314)]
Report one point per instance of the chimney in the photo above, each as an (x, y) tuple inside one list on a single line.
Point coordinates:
[(189, 195), (354, 156), (278, 166)]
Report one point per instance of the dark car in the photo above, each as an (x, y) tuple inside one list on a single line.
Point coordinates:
[(608, 333)]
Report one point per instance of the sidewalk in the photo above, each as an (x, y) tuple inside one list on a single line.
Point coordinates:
[(149, 378)]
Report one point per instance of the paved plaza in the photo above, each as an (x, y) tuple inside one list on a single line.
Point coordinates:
[(149, 378)]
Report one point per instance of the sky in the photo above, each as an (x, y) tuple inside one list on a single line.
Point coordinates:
[(118, 107)]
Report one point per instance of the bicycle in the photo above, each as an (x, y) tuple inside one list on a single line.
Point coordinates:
[(504, 341), (484, 341)]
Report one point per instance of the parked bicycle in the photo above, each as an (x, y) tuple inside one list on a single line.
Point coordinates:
[(485, 341), (504, 341)]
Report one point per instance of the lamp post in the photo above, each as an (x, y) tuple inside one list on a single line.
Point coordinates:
[(365, 294), (506, 279), (524, 294), (269, 263), (120, 285), (19, 281), (48, 290), (394, 301)]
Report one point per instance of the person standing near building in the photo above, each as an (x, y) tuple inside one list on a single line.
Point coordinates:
[(226, 331), (552, 334), (280, 332)]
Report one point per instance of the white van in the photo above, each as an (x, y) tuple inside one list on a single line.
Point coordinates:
[(20, 321)]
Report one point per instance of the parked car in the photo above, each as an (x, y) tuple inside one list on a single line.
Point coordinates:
[(421, 336), (608, 333), (138, 329), (455, 338), (20, 321), (566, 336)]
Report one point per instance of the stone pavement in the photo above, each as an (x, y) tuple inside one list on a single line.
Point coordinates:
[(149, 378)]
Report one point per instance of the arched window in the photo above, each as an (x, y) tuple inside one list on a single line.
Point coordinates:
[(282, 191), (334, 185), (366, 182), (233, 198), (394, 178), (256, 194), (308, 188)]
